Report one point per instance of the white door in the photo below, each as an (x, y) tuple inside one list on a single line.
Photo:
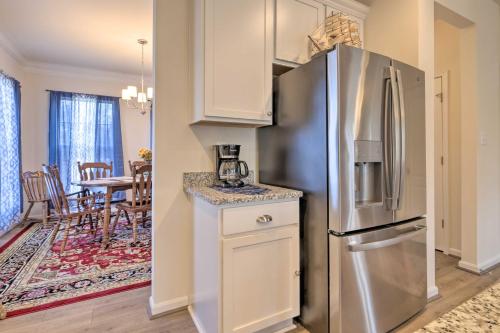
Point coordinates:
[(260, 276), (441, 224), (295, 20)]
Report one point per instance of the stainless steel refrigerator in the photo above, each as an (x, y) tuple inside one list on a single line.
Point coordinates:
[(349, 131)]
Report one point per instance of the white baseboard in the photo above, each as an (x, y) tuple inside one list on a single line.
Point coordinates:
[(455, 252), (162, 308), (196, 322), (467, 266), (486, 265), (432, 292)]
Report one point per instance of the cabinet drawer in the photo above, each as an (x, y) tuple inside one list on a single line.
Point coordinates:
[(264, 216)]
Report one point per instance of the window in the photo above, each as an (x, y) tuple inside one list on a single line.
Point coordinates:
[(84, 128), (10, 152)]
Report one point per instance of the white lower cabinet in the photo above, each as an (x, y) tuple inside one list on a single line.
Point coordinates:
[(260, 274), (246, 279)]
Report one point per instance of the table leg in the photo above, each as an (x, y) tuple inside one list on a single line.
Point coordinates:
[(107, 217)]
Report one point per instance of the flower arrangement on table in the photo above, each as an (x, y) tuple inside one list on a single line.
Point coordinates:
[(146, 154)]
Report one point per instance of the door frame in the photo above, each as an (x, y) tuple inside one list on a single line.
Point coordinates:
[(445, 180)]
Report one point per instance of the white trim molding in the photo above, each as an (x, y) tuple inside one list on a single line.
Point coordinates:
[(196, 322), (432, 292), (469, 267), (455, 252), (481, 267), (166, 307), (490, 263)]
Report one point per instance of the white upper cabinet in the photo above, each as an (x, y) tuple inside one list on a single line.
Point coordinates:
[(233, 54), (296, 19)]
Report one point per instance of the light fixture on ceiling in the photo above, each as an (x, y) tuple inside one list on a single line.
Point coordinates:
[(141, 100)]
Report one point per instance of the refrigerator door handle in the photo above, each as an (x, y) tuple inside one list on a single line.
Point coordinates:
[(402, 135), (388, 145), (396, 140), (358, 247)]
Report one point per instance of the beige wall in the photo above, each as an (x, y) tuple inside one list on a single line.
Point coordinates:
[(178, 148), (447, 50), (135, 127), (481, 47), (391, 29), (35, 106)]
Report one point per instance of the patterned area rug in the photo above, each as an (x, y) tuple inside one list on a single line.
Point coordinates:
[(35, 276), (479, 314)]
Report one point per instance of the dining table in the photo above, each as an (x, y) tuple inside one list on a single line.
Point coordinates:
[(107, 186)]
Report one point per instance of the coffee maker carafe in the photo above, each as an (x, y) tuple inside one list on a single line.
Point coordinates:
[(230, 170)]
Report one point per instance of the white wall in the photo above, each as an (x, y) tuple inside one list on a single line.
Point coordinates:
[(135, 127), (178, 148), (481, 47), (447, 50), (393, 28), (35, 106)]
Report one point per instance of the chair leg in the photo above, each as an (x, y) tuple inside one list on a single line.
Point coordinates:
[(45, 212), (115, 222), (66, 235), (134, 221), (127, 217), (55, 231), (27, 213)]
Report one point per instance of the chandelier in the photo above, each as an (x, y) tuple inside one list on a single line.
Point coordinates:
[(141, 100)]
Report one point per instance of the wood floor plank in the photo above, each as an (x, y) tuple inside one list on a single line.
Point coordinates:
[(126, 312)]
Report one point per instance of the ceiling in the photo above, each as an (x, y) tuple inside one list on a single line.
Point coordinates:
[(94, 34)]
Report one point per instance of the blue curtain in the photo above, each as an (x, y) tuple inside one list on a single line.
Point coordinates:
[(10, 152), (84, 128)]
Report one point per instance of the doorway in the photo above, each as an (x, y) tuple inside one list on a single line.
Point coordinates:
[(441, 116), (449, 112)]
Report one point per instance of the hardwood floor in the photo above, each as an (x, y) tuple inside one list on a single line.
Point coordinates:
[(455, 287), (126, 312)]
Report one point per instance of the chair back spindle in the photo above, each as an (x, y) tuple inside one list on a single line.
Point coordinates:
[(135, 164), (34, 186), (95, 170), (142, 186), (55, 190)]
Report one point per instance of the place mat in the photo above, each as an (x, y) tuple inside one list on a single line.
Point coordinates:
[(246, 189)]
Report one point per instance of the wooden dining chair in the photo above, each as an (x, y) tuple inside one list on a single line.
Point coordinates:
[(141, 199), (35, 190), (95, 170), (70, 208), (135, 164)]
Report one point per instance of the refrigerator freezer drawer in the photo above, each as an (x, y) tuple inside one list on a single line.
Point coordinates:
[(378, 278)]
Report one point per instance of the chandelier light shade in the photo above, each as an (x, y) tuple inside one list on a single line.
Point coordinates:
[(135, 98)]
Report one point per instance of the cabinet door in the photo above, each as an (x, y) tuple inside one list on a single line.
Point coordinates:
[(295, 20), (238, 59), (331, 10), (260, 279)]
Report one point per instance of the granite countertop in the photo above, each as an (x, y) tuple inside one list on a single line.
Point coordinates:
[(202, 185)]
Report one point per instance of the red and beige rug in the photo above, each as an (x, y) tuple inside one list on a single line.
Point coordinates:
[(35, 276)]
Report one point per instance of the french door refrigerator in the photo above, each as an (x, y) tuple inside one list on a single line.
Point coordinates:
[(348, 131)]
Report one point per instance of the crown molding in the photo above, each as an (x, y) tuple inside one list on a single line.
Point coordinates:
[(82, 72), (11, 50), (66, 70)]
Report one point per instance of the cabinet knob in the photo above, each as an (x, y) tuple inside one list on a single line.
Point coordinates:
[(297, 273), (269, 113), (264, 219)]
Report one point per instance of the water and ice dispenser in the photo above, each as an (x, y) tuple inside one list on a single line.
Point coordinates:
[(368, 173)]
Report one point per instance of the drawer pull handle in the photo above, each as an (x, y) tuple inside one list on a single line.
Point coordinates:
[(264, 219)]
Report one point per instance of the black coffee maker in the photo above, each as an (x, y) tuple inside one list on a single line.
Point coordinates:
[(230, 170)]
